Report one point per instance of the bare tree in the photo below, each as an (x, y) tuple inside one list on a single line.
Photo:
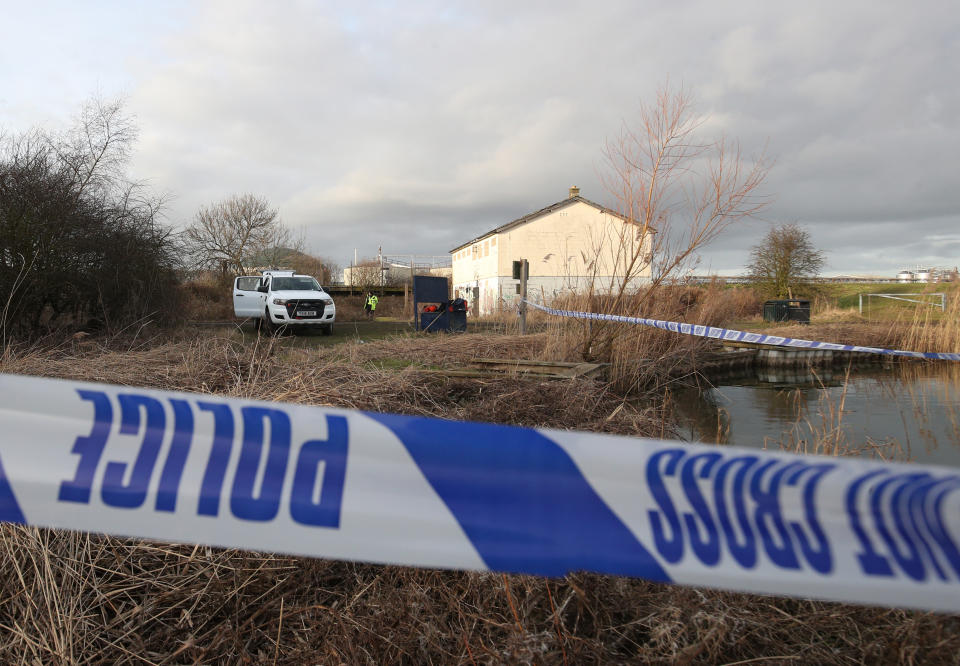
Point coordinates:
[(96, 149), (238, 233), (307, 264), (677, 192), (366, 274), (784, 259)]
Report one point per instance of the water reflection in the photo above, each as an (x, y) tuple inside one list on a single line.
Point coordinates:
[(907, 411)]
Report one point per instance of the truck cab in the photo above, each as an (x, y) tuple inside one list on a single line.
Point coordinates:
[(282, 298)]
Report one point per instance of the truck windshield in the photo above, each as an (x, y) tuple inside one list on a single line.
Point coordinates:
[(295, 284)]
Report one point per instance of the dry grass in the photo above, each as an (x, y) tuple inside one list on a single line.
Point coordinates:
[(643, 358), (350, 308), (920, 330), (206, 299), (871, 334), (78, 598), (930, 330)]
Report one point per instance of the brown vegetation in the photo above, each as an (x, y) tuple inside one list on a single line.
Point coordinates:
[(350, 308), (926, 329), (77, 598), (632, 349), (678, 190), (81, 245), (918, 328)]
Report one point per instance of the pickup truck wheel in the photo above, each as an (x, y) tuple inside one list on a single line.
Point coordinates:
[(268, 326), (327, 329)]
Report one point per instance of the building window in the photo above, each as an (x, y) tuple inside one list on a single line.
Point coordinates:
[(493, 242), (518, 288), (486, 250)]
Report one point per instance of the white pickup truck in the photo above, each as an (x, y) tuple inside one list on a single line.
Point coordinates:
[(282, 298)]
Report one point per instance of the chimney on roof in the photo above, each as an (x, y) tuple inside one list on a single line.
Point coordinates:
[(574, 192)]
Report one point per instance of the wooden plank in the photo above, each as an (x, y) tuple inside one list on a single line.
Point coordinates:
[(516, 362), (526, 368)]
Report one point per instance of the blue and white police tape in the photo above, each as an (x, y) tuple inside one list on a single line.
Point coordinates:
[(733, 335), (425, 492)]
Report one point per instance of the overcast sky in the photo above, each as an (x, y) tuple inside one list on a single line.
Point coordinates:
[(419, 125)]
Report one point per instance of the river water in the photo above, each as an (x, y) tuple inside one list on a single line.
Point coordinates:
[(904, 412)]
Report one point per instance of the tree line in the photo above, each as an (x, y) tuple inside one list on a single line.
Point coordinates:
[(84, 246)]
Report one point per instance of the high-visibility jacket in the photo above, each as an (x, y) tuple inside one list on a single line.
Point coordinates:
[(372, 302)]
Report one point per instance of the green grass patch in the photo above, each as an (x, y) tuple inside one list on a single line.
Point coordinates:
[(848, 295), (390, 363)]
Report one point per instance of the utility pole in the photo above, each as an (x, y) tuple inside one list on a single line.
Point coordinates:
[(353, 270), (412, 275), (382, 276), (521, 271)]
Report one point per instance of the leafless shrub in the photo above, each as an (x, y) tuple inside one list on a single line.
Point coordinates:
[(80, 245), (678, 191)]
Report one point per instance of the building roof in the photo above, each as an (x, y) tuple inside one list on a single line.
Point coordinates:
[(543, 211)]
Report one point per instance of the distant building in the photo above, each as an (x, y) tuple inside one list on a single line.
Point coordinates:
[(395, 271), (570, 245), (927, 275)]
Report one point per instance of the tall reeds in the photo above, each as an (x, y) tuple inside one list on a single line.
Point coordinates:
[(641, 356), (928, 329)]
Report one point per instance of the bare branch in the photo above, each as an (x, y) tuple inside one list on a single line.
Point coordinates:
[(678, 192), (97, 148)]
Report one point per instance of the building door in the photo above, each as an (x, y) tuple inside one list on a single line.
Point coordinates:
[(476, 301)]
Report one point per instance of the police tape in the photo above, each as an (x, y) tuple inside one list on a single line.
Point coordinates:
[(733, 335), (343, 484)]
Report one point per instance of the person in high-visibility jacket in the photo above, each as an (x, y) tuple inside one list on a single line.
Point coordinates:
[(371, 308)]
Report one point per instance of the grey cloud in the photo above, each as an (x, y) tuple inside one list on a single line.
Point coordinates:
[(419, 126)]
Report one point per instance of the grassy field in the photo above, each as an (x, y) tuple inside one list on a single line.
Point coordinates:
[(361, 332), (848, 295), (840, 302)]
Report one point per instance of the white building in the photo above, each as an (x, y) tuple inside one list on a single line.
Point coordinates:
[(927, 275), (571, 245)]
